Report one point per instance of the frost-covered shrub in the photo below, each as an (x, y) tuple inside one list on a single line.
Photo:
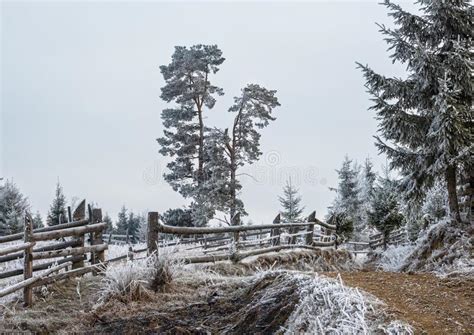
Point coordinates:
[(443, 248), (394, 257), (326, 306), (126, 282)]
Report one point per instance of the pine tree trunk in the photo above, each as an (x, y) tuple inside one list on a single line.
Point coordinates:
[(200, 171), (233, 192), (452, 193)]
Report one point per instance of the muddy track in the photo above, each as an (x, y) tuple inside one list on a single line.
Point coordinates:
[(430, 304)]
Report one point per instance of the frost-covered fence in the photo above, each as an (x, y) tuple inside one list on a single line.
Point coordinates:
[(396, 237), (237, 242), (64, 243)]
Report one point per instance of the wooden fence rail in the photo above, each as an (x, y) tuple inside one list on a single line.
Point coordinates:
[(232, 240)]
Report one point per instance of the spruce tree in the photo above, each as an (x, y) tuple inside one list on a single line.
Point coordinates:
[(122, 222), (435, 203), (291, 203), (426, 118), (13, 206), (57, 210), (343, 222), (347, 200), (133, 227), (385, 213), (366, 186), (37, 221), (110, 227)]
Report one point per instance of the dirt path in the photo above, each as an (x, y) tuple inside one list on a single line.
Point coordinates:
[(430, 304)]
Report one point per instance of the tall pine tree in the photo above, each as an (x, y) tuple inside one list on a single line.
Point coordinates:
[(426, 118), (188, 84), (253, 111)]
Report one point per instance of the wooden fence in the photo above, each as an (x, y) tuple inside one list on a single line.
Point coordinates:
[(69, 248), (237, 242), (396, 237)]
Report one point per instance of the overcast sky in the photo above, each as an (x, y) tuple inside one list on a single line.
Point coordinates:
[(81, 85)]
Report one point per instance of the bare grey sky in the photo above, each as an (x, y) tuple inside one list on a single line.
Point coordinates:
[(81, 85)]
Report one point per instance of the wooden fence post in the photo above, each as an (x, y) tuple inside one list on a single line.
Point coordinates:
[(152, 233), (130, 253), (97, 236), (79, 214), (91, 234), (276, 231), (310, 230), (28, 261), (69, 214)]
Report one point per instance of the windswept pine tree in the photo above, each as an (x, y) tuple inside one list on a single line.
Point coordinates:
[(57, 211), (290, 203), (253, 111), (13, 206), (188, 85), (425, 119)]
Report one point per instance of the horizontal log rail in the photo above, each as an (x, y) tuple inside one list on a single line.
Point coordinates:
[(68, 274), (18, 286), (77, 231), (39, 267), (56, 246), (69, 252), (15, 248), (19, 236), (231, 229)]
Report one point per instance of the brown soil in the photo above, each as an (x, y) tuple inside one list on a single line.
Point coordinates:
[(430, 304)]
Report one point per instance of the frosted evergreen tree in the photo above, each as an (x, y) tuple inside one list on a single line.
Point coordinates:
[(343, 222), (367, 180), (253, 112), (37, 221), (385, 213), (122, 222), (347, 200), (435, 203), (188, 84), (290, 203), (426, 118), (134, 223), (110, 226), (57, 210), (13, 206)]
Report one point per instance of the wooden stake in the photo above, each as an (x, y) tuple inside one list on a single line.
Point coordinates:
[(28, 261)]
